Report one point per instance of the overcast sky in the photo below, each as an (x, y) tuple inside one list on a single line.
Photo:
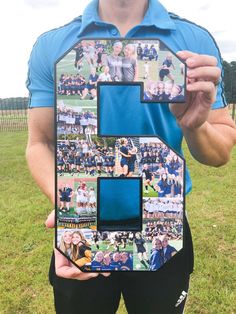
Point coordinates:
[(22, 21)]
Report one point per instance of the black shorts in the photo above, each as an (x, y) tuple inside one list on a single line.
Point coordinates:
[(102, 295), (141, 249), (163, 73)]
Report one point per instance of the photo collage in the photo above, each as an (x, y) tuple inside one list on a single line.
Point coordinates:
[(82, 156)]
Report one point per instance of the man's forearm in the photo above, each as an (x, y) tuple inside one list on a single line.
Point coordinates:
[(211, 144), (40, 157)]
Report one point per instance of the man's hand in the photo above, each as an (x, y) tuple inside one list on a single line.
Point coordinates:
[(203, 76), (64, 268)]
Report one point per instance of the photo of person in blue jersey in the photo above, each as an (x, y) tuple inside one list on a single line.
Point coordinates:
[(166, 68), (141, 250), (91, 87), (124, 152), (107, 249), (126, 261), (65, 194), (156, 254), (168, 250)]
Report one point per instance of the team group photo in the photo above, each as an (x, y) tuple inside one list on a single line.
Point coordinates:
[(148, 61)]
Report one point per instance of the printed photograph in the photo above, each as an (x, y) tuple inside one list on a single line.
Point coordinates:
[(161, 169), (73, 119), (159, 241), (112, 251), (76, 245), (77, 203), (86, 156), (155, 207), (146, 60)]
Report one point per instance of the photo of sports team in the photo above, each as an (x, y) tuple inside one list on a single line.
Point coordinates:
[(73, 120), (112, 251), (161, 207), (87, 156), (147, 61)]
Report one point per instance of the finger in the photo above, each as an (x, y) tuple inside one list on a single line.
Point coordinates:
[(105, 274), (50, 222), (185, 54), (201, 61), (205, 73), (60, 260), (195, 60), (65, 269), (206, 87)]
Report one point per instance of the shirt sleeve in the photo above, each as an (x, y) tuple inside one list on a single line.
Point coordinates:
[(40, 81), (209, 47)]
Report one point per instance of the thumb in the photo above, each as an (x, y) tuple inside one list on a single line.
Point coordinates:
[(50, 222)]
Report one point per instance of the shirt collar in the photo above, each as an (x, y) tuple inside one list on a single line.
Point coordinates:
[(156, 15)]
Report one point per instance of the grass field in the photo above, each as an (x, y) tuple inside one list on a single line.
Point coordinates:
[(175, 243), (26, 245)]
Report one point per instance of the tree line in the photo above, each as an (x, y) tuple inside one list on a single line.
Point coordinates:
[(229, 79)]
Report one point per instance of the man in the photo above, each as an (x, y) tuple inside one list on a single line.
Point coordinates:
[(203, 120)]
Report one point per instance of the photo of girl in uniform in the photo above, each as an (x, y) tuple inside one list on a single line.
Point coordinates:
[(163, 239), (141, 250), (112, 251), (115, 261), (147, 61), (75, 245), (127, 153), (65, 194)]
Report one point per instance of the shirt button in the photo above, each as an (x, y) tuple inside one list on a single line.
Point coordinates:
[(114, 31)]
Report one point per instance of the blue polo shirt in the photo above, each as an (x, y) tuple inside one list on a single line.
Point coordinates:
[(127, 115)]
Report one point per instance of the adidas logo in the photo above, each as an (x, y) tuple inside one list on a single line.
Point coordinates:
[(181, 298)]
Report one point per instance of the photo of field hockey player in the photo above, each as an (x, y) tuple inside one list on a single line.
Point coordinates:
[(76, 244), (142, 249), (127, 154), (160, 240), (148, 61), (161, 169), (65, 195), (112, 251), (73, 120)]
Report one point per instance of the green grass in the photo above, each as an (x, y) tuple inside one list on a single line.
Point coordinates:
[(175, 243), (26, 245)]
